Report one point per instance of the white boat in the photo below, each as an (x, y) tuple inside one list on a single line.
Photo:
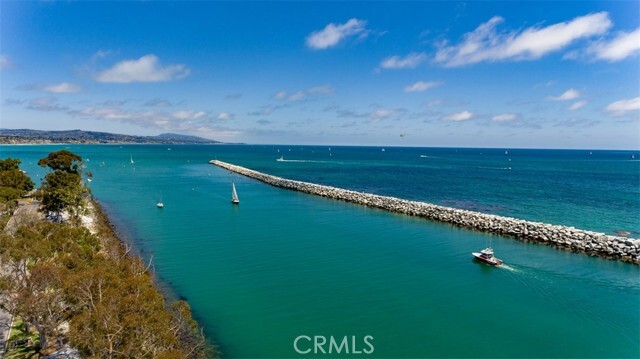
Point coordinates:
[(486, 256), (234, 194), (131, 157), (281, 159), (160, 204)]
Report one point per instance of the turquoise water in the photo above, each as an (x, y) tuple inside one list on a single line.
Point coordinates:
[(284, 264)]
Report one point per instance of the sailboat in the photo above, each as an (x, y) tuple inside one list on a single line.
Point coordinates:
[(234, 194), (160, 204), (131, 159)]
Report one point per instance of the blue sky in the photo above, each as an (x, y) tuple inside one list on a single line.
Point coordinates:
[(475, 74)]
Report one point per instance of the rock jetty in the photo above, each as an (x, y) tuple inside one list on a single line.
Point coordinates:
[(569, 238)]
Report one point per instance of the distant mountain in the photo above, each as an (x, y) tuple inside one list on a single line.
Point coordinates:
[(25, 136)]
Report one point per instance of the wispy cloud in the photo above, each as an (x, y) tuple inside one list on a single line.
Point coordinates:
[(145, 69), (318, 91), (183, 121), (577, 105), (373, 116), (459, 116), (408, 62), (225, 116), (422, 86), (485, 43), (4, 62), (505, 117), (158, 102), (622, 107), (570, 94), (46, 104), (622, 46), (189, 115), (64, 87), (233, 96), (267, 110), (333, 34)]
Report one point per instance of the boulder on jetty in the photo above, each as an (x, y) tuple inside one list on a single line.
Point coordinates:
[(576, 240)]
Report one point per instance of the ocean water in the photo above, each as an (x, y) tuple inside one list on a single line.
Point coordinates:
[(284, 264)]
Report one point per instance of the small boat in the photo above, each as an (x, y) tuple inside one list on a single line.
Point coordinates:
[(281, 159), (234, 194), (160, 204), (131, 157), (486, 256), (383, 150)]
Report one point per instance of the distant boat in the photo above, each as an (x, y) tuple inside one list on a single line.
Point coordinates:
[(486, 256), (281, 159), (234, 194), (383, 150), (131, 157), (160, 204), (506, 152)]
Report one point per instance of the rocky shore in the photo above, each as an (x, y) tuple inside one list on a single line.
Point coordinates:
[(569, 238)]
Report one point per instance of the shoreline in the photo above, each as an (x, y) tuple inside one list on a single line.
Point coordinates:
[(568, 238)]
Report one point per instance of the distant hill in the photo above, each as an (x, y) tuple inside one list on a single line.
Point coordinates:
[(25, 136)]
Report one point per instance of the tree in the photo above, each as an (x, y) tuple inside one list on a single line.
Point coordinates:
[(13, 182), (62, 160), (62, 189), (31, 284)]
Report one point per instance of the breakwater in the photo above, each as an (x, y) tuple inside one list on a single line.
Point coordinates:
[(569, 238)]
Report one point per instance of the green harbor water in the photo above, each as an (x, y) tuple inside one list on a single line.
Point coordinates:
[(284, 264)]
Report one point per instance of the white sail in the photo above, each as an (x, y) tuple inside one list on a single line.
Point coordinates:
[(234, 194), (131, 159)]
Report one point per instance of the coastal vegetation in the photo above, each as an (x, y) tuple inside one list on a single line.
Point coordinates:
[(77, 284), (26, 136)]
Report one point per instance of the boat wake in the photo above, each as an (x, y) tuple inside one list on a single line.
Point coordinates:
[(509, 268), (496, 168), (304, 161)]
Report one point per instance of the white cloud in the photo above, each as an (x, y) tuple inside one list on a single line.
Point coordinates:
[(408, 62), (621, 107), (225, 116), (570, 94), (324, 90), (333, 34), (4, 62), (578, 105), (459, 116), (63, 87), (422, 86), (621, 47), (485, 43), (188, 115), (505, 117), (144, 69)]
